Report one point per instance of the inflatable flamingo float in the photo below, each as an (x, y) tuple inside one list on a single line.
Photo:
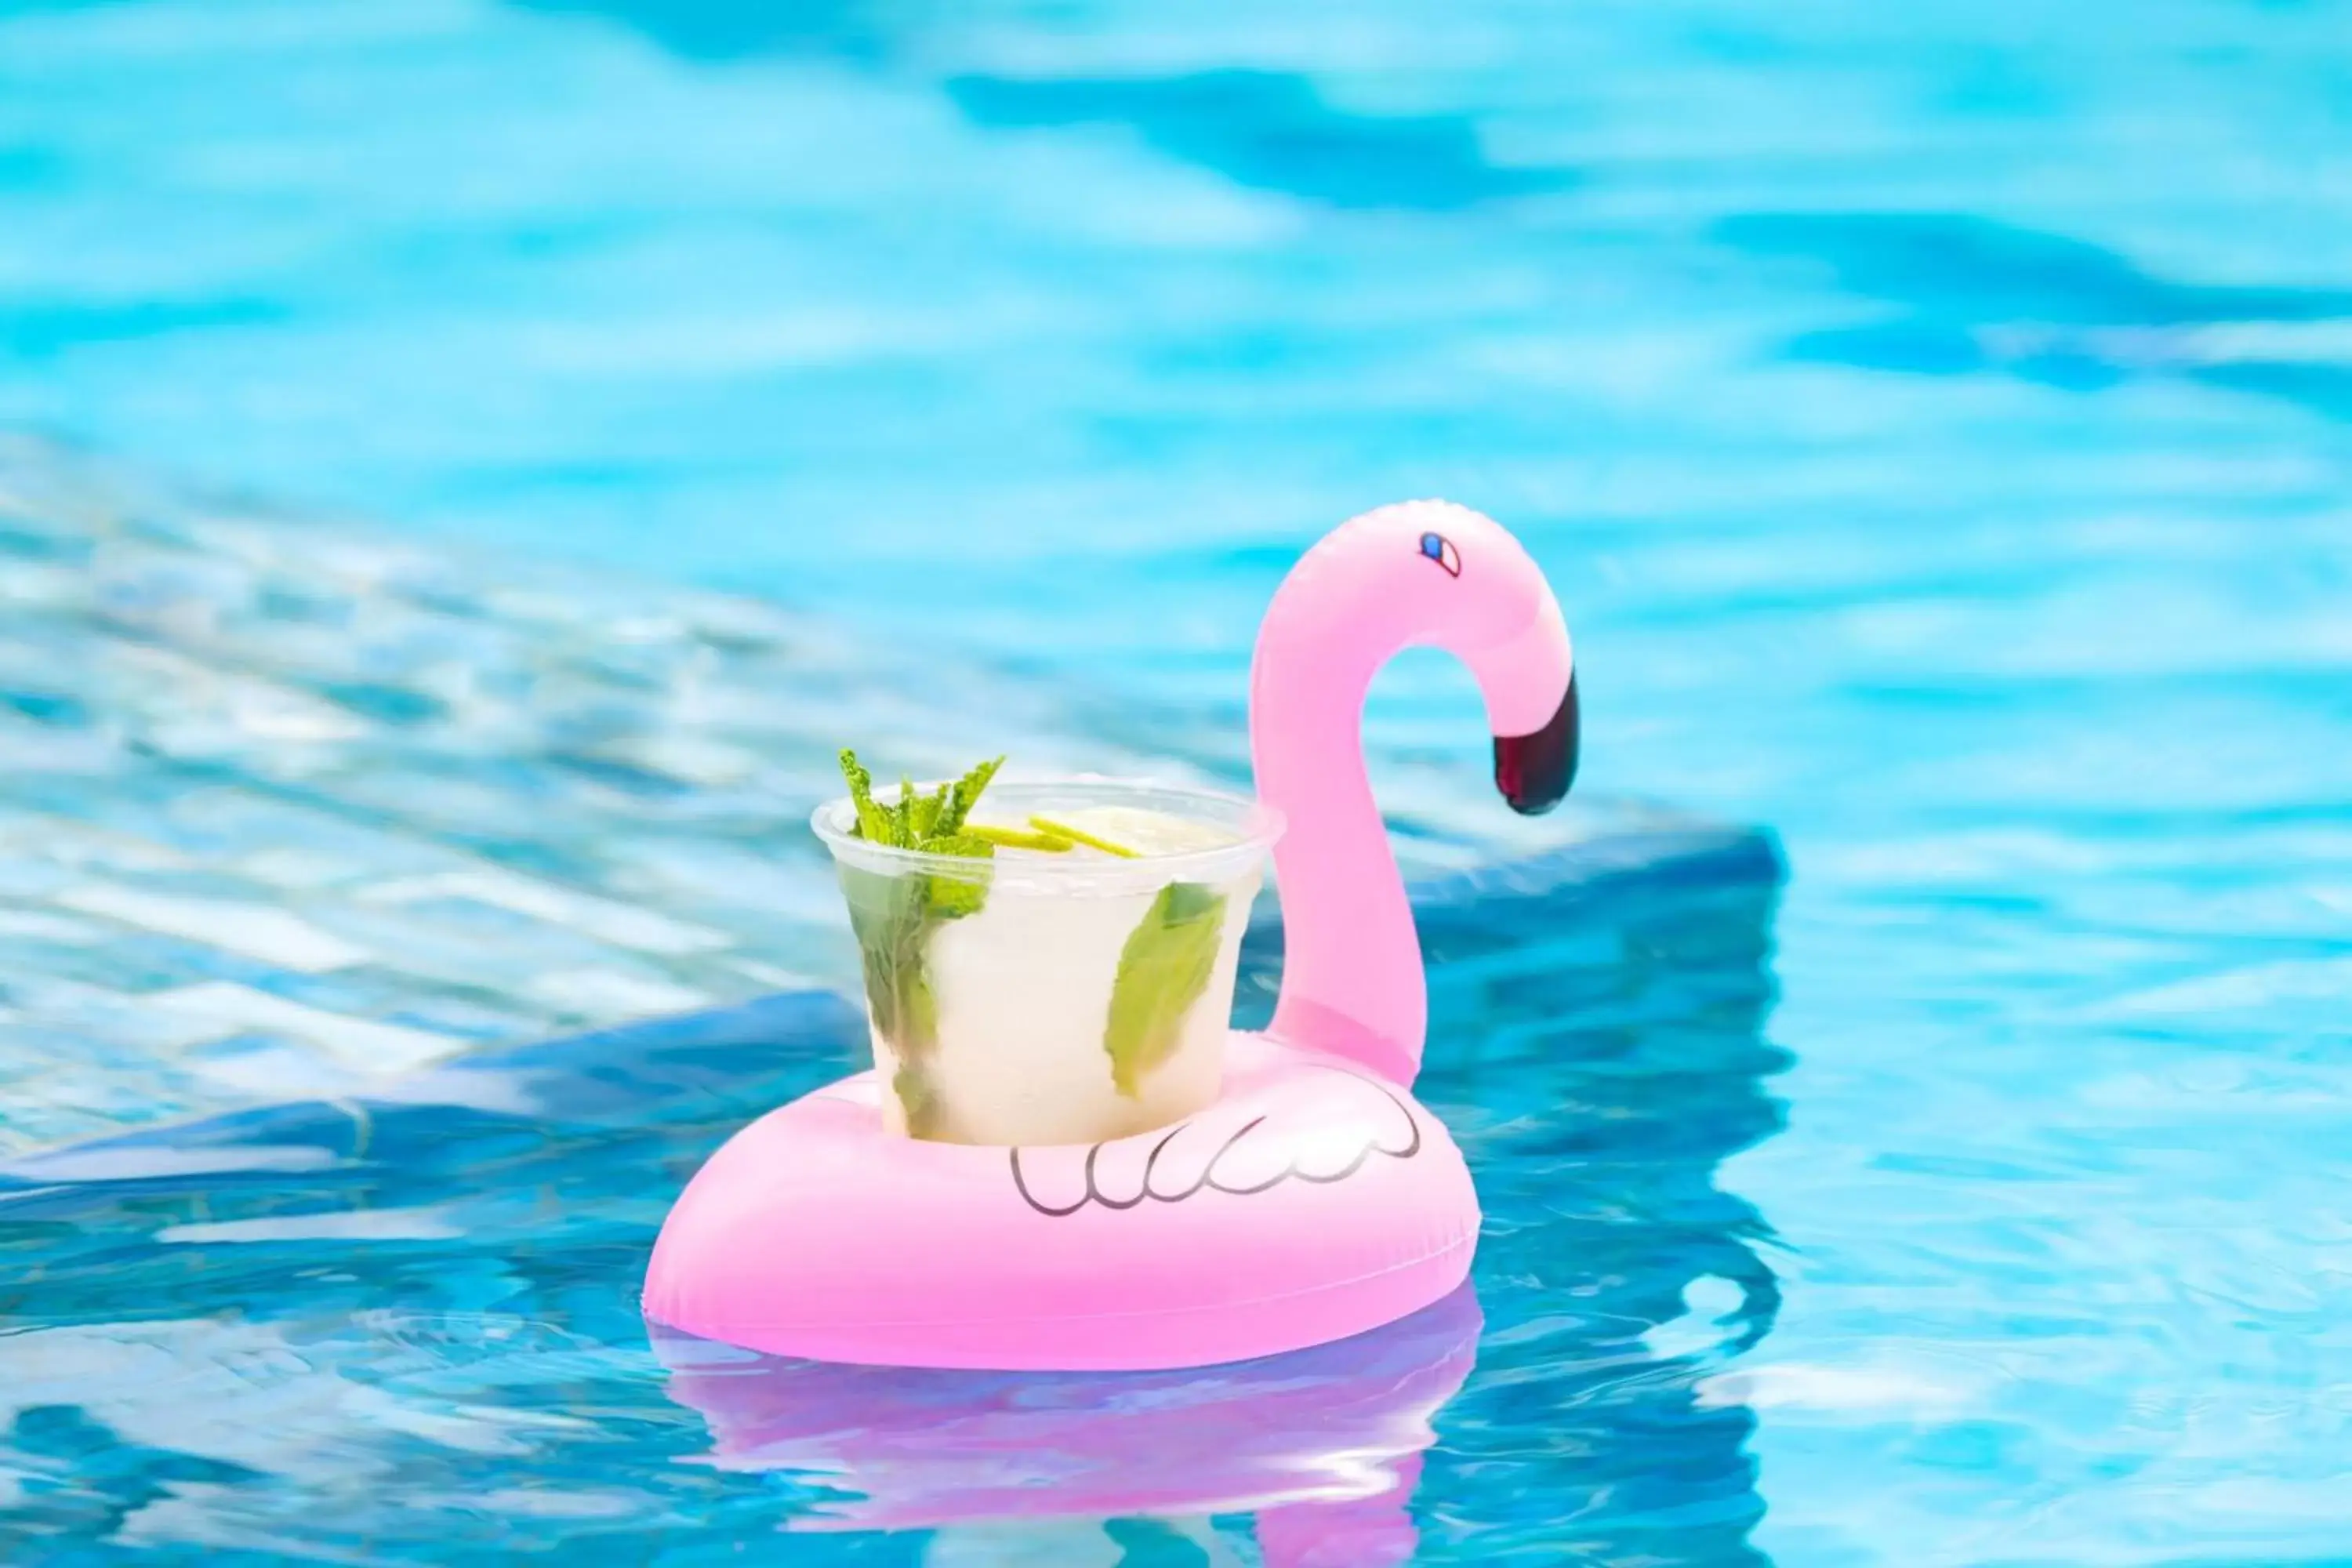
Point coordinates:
[(1314, 1199)]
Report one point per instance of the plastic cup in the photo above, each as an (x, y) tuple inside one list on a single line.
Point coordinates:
[(1037, 998)]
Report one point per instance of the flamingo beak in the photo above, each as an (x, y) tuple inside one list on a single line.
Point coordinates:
[(1534, 771)]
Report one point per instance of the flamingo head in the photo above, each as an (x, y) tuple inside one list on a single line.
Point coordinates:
[(1461, 582)]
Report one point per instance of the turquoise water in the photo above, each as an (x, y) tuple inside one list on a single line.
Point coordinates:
[(407, 1331), (1934, 418)]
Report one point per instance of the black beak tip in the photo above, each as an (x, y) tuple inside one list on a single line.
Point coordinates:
[(1534, 771)]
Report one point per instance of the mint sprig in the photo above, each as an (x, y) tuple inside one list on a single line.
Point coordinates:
[(914, 821), (894, 917), (1162, 972)]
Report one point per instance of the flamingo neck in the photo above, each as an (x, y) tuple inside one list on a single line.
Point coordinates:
[(1352, 970)]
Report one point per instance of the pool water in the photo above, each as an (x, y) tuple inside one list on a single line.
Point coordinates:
[(1934, 420), (407, 1331)]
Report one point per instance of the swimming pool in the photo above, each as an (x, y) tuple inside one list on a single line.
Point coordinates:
[(1934, 421)]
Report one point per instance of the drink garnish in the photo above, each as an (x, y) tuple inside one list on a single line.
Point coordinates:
[(894, 917), (1080, 835), (1018, 838), (1162, 971)]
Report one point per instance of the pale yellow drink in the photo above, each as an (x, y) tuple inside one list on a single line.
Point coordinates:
[(1088, 995)]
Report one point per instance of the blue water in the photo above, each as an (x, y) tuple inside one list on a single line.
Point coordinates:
[(1937, 419), (409, 1333)]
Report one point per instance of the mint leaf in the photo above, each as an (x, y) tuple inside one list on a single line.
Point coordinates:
[(966, 844), (919, 1098), (872, 818), (891, 919), (902, 815), (964, 795), (1162, 971), (928, 809), (895, 917), (954, 897)]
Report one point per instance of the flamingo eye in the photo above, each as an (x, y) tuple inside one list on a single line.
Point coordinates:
[(1440, 549)]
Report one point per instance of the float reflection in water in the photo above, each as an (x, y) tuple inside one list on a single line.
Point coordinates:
[(1323, 1445)]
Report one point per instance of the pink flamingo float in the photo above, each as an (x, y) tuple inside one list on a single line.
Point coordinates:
[(1316, 1199)]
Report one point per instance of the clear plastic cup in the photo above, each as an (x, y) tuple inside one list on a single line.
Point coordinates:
[(1038, 998)]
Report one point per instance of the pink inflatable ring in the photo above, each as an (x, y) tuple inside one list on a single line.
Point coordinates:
[(1316, 1198)]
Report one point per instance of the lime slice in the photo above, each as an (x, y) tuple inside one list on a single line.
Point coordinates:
[(1080, 835), (1021, 838), (1143, 831)]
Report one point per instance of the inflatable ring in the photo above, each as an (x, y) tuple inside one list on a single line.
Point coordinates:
[(1314, 1200)]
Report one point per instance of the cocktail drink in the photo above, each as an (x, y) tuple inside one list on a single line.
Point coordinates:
[(1046, 963)]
